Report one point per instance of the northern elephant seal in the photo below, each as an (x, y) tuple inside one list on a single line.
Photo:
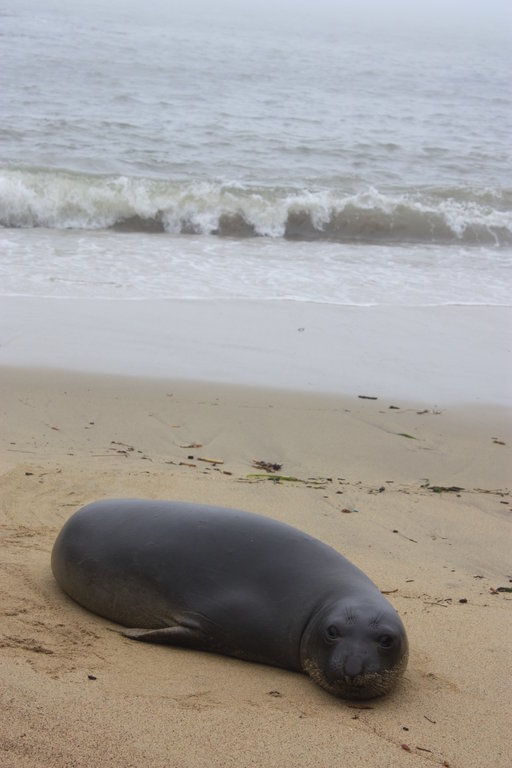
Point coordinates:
[(236, 583)]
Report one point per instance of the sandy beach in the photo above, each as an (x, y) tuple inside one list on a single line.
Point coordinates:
[(414, 491)]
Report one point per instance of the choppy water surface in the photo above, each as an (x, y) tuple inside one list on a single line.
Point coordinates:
[(329, 152)]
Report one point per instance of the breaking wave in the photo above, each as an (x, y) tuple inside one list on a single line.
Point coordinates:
[(70, 200)]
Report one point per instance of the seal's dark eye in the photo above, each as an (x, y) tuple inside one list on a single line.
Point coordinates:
[(385, 641), (332, 632)]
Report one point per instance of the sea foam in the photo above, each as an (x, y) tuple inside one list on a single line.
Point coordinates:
[(71, 200)]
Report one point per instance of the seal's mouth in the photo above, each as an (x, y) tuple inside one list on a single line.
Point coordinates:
[(366, 686)]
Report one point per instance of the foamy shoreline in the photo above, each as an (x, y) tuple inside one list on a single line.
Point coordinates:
[(436, 355)]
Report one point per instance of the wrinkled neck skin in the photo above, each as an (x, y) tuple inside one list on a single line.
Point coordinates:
[(355, 649)]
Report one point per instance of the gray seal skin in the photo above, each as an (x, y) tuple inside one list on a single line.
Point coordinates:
[(235, 583)]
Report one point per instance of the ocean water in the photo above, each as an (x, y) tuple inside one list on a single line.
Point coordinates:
[(339, 152)]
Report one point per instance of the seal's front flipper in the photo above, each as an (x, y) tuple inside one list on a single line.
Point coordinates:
[(189, 634), (166, 635)]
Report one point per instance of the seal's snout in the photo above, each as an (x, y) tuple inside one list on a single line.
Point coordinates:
[(353, 666), (345, 661)]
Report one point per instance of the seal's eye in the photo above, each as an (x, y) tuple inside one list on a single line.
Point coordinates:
[(332, 632), (385, 641)]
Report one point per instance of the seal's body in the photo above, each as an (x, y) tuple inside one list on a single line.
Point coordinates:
[(236, 583)]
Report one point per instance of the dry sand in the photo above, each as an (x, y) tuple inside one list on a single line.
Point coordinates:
[(76, 693)]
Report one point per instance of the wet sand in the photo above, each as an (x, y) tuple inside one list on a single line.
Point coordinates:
[(435, 355)]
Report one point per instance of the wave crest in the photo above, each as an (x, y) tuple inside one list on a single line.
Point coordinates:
[(64, 200)]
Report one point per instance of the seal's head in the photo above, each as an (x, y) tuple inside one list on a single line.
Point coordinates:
[(355, 649)]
